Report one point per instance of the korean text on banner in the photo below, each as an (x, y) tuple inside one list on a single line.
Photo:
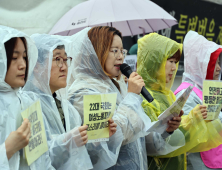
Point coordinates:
[(212, 98), (98, 109), (131, 60), (37, 142)]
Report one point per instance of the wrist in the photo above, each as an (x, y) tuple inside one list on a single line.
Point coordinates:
[(9, 151)]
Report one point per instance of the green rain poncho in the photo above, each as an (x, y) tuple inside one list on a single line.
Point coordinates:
[(153, 52)]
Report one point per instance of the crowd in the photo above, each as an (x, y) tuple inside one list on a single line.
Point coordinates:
[(60, 70)]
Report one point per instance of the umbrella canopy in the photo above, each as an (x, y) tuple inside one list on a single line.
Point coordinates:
[(131, 17)]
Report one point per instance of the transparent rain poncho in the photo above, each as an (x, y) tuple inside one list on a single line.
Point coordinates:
[(65, 146), (12, 103), (89, 78), (153, 52), (197, 53)]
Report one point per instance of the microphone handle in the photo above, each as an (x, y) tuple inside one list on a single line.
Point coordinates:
[(146, 95)]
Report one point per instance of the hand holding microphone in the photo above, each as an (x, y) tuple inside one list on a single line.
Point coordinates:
[(135, 82)]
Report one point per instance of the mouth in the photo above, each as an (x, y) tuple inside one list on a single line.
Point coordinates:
[(117, 66), (21, 75), (62, 76), (170, 75)]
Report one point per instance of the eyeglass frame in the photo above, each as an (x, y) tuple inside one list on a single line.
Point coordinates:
[(120, 52), (68, 58)]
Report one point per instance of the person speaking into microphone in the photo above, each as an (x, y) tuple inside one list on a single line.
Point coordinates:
[(97, 59)]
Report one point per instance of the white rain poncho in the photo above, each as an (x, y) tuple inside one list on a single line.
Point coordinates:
[(89, 78), (197, 52), (12, 103), (99, 152), (65, 148)]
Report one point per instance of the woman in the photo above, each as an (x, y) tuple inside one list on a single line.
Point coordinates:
[(99, 152), (158, 58), (66, 137), (207, 56), (98, 55), (17, 59)]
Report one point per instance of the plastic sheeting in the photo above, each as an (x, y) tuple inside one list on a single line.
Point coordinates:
[(153, 52), (102, 154), (129, 115), (199, 49), (12, 102), (65, 146)]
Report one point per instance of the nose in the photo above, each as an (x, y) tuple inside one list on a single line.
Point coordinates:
[(22, 63), (174, 67), (218, 68), (64, 67)]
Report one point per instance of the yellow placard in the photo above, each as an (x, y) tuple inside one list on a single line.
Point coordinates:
[(212, 98), (98, 109), (37, 142)]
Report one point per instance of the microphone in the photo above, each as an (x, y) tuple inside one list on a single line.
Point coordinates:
[(126, 70)]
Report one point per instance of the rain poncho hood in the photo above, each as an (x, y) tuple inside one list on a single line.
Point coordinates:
[(66, 151), (89, 78), (197, 54), (151, 61), (13, 102)]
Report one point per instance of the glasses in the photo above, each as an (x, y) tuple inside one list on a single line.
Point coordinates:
[(118, 51), (60, 61)]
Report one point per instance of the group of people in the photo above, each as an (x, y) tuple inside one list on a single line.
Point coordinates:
[(60, 70)]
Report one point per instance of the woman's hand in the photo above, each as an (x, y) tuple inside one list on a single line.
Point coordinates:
[(174, 123), (135, 83), (203, 110), (18, 139), (83, 133), (112, 127)]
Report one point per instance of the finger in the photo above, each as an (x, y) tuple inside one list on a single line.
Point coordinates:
[(85, 142), (181, 113), (29, 135), (84, 138), (204, 117), (203, 110), (113, 130), (204, 114), (111, 121), (27, 130), (174, 126), (24, 125), (113, 125), (178, 119), (83, 133), (138, 77), (133, 74), (172, 123), (82, 128), (203, 107)]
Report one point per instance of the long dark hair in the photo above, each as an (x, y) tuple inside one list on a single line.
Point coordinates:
[(9, 48)]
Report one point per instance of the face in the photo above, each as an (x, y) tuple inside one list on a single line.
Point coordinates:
[(217, 70), (113, 62), (15, 75), (170, 68), (58, 74)]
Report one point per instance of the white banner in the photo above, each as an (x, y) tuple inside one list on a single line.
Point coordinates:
[(131, 60)]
